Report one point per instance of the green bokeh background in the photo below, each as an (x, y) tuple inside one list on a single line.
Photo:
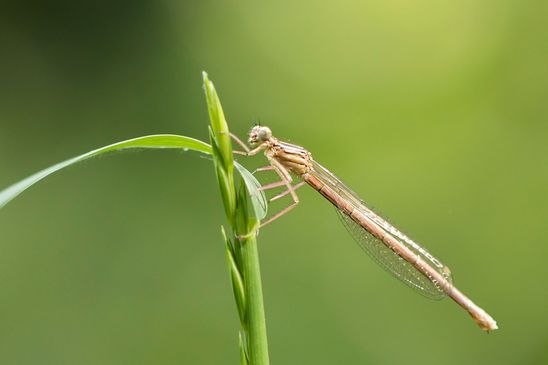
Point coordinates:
[(435, 112)]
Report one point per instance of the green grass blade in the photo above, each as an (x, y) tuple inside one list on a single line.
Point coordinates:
[(235, 278), (153, 141), (225, 177), (219, 136), (258, 199), (218, 122), (161, 141), (244, 356)]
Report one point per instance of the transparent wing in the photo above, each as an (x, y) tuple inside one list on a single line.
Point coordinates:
[(377, 249), (391, 262)]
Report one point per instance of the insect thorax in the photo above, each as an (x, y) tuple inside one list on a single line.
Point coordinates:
[(294, 158)]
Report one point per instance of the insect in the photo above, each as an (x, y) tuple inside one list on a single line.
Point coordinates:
[(386, 245)]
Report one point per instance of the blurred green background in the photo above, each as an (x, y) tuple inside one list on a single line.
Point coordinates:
[(435, 112)]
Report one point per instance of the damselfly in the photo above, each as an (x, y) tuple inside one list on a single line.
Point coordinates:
[(386, 245)]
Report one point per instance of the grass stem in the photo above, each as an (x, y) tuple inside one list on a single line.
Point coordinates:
[(243, 216), (257, 344)]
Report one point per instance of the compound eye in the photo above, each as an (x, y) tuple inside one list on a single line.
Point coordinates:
[(265, 134)]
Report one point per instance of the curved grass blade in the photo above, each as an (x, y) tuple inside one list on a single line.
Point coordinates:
[(153, 141), (162, 141)]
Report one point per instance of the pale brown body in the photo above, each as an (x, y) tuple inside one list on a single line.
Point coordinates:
[(286, 158)]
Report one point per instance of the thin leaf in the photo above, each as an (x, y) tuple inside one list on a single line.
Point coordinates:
[(244, 357), (258, 199), (162, 141), (245, 222), (235, 278), (153, 141), (218, 122), (225, 177)]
